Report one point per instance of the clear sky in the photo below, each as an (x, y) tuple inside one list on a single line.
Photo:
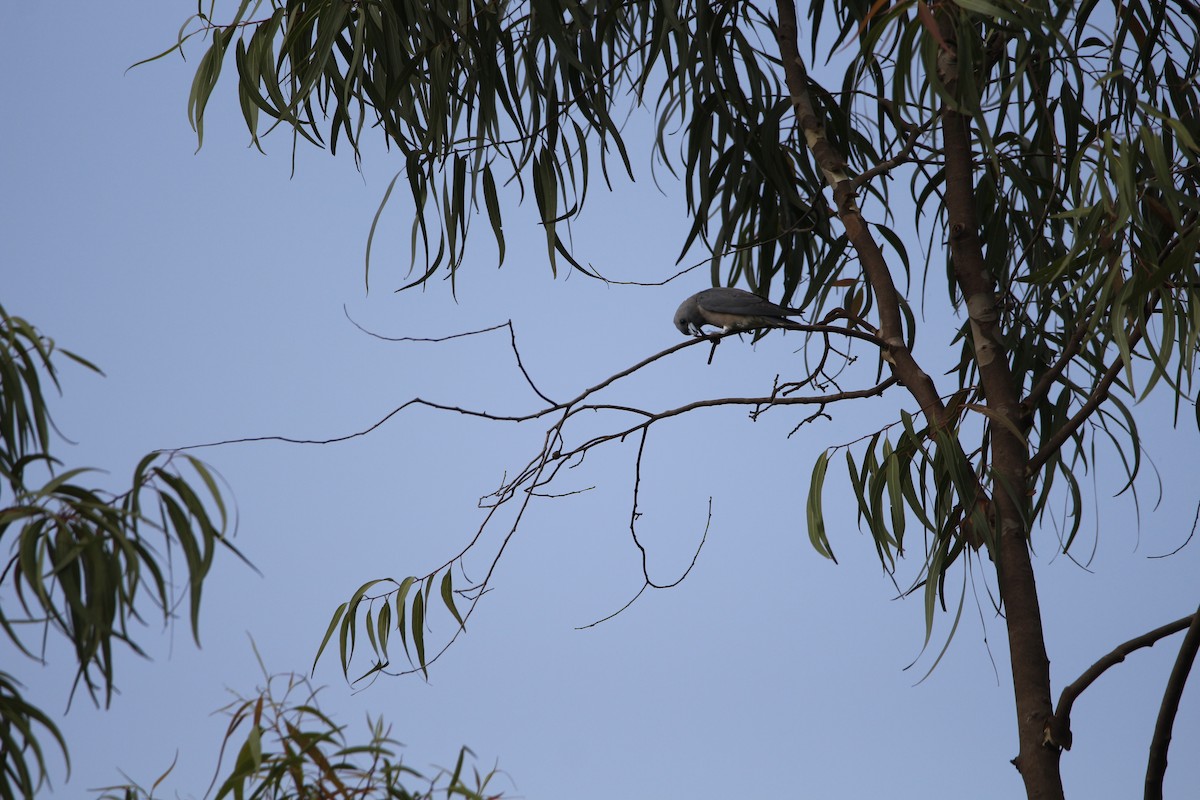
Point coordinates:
[(210, 288)]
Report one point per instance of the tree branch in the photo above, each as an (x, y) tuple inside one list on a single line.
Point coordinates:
[(1157, 766), (915, 132), (1098, 396), (556, 452), (1058, 728), (1046, 381), (833, 165)]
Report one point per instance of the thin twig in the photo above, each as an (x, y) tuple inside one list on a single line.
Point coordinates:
[(556, 453), (1097, 397), (1069, 351), (380, 336), (915, 132)]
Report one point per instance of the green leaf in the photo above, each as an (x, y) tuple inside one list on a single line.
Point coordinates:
[(333, 623), (350, 624), (418, 630), (375, 224), (384, 622), (402, 610), (816, 519), (205, 81), (448, 597), (493, 208), (369, 625)]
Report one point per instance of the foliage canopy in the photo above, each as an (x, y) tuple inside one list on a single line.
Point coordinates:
[(84, 563), (1044, 153)]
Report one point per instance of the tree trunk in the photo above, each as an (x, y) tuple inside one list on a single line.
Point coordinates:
[(1037, 761)]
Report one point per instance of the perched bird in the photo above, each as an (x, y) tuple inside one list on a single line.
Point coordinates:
[(731, 310)]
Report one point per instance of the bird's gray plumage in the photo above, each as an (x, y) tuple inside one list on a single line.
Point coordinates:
[(731, 310)]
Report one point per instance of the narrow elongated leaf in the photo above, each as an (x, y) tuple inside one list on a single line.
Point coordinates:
[(448, 597), (816, 518), (333, 623), (418, 631)]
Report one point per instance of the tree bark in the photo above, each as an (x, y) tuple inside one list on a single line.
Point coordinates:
[(1037, 759), (833, 166), (1156, 769)]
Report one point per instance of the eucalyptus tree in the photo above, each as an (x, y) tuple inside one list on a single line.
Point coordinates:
[(1045, 152)]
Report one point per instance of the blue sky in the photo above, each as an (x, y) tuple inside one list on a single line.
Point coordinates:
[(210, 288)]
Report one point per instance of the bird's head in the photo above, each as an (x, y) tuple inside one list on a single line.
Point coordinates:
[(687, 318)]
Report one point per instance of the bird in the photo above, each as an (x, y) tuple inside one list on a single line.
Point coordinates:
[(731, 310)]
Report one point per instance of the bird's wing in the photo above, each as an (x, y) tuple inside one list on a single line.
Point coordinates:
[(736, 301)]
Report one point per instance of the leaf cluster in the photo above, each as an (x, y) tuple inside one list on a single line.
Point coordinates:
[(477, 95), (287, 747), (410, 598), (460, 89), (1086, 185), (84, 563)]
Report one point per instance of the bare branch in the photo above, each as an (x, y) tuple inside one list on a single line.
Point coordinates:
[(1069, 351), (651, 418), (833, 166), (1058, 727), (512, 335), (1157, 766), (1191, 534), (381, 337), (647, 583), (616, 613), (557, 452), (915, 132), (508, 324), (637, 484)]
